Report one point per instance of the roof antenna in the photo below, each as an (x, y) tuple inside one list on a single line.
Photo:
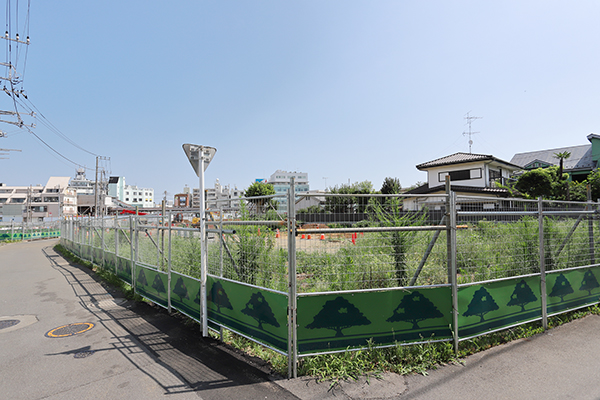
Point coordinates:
[(470, 119)]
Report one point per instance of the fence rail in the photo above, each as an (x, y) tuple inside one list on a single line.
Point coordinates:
[(387, 277)]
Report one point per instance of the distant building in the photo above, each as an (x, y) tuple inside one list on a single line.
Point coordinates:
[(182, 200), (281, 183), (219, 197), (132, 195), (470, 175), (38, 203), (583, 159)]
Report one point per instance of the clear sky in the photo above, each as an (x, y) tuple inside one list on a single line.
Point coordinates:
[(343, 90)]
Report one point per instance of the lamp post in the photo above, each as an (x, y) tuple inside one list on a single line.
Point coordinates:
[(200, 157)]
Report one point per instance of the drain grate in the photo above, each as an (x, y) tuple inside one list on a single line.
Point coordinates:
[(84, 354), (70, 330), (7, 323)]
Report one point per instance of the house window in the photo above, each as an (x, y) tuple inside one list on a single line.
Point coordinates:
[(461, 175)]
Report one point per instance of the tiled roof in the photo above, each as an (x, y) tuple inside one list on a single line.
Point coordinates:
[(459, 158), (425, 189), (580, 159)]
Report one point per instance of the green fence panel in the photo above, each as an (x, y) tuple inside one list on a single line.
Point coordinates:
[(185, 295), (110, 262), (328, 322), (495, 305), (151, 284), (124, 269), (568, 290), (254, 312)]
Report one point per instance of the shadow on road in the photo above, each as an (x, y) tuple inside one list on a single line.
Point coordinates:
[(164, 347)]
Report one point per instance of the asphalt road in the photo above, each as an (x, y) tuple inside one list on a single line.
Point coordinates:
[(138, 351), (133, 350)]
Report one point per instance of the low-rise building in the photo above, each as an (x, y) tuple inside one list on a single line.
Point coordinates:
[(470, 174), (38, 203), (130, 194), (281, 183), (219, 197)]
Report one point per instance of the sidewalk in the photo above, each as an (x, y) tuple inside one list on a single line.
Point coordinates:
[(137, 351)]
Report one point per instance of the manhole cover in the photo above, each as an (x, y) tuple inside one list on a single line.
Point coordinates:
[(84, 354), (70, 330), (7, 323)]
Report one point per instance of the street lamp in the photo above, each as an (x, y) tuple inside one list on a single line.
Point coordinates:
[(200, 157)]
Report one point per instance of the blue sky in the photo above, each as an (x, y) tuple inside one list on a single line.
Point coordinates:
[(343, 90)]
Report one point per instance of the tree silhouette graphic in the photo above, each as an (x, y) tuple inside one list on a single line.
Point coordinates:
[(415, 307), (338, 314), (180, 289), (219, 297), (197, 299), (258, 308), (561, 288), (481, 304), (521, 295), (589, 282), (158, 284), (142, 278)]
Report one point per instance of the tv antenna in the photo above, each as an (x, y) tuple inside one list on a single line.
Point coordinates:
[(470, 133)]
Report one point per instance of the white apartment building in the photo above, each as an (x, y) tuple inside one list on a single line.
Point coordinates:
[(38, 203), (132, 195), (281, 183), (219, 197)]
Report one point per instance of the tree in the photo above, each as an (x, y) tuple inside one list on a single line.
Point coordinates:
[(257, 189), (561, 157), (534, 183), (338, 314), (349, 204), (142, 278), (218, 296), (481, 304), (158, 284), (258, 308), (416, 307), (391, 186), (521, 295), (561, 288), (180, 289), (589, 282)]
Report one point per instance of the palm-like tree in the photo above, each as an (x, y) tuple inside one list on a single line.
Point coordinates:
[(561, 157)]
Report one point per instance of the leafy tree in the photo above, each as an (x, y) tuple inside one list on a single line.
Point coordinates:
[(258, 308), (561, 288), (257, 189), (338, 314), (158, 284), (391, 186), (218, 296), (416, 307), (349, 204), (589, 282), (481, 304), (521, 295), (180, 289), (594, 180), (535, 183)]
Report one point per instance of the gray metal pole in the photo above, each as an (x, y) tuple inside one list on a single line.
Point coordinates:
[(102, 239), (203, 247), (452, 261), (169, 262), (542, 262), (448, 236), (292, 299), (131, 252), (589, 207)]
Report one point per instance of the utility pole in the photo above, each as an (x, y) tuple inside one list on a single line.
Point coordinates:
[(470, 119), (96, 193)]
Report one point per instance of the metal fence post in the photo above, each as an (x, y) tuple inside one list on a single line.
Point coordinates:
[(292, 300), (542, 263), (453, 268), (102, 241), (589, 207), (131, 251), (169, 262)]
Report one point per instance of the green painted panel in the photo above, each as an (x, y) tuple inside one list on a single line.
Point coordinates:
[(110, 262), (185, 295), (338, 321), (124, 269), (568, 290), (257, 313), (491, 306), (151, 284)]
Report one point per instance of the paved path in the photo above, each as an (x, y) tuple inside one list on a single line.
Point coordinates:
[(137, 351)]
